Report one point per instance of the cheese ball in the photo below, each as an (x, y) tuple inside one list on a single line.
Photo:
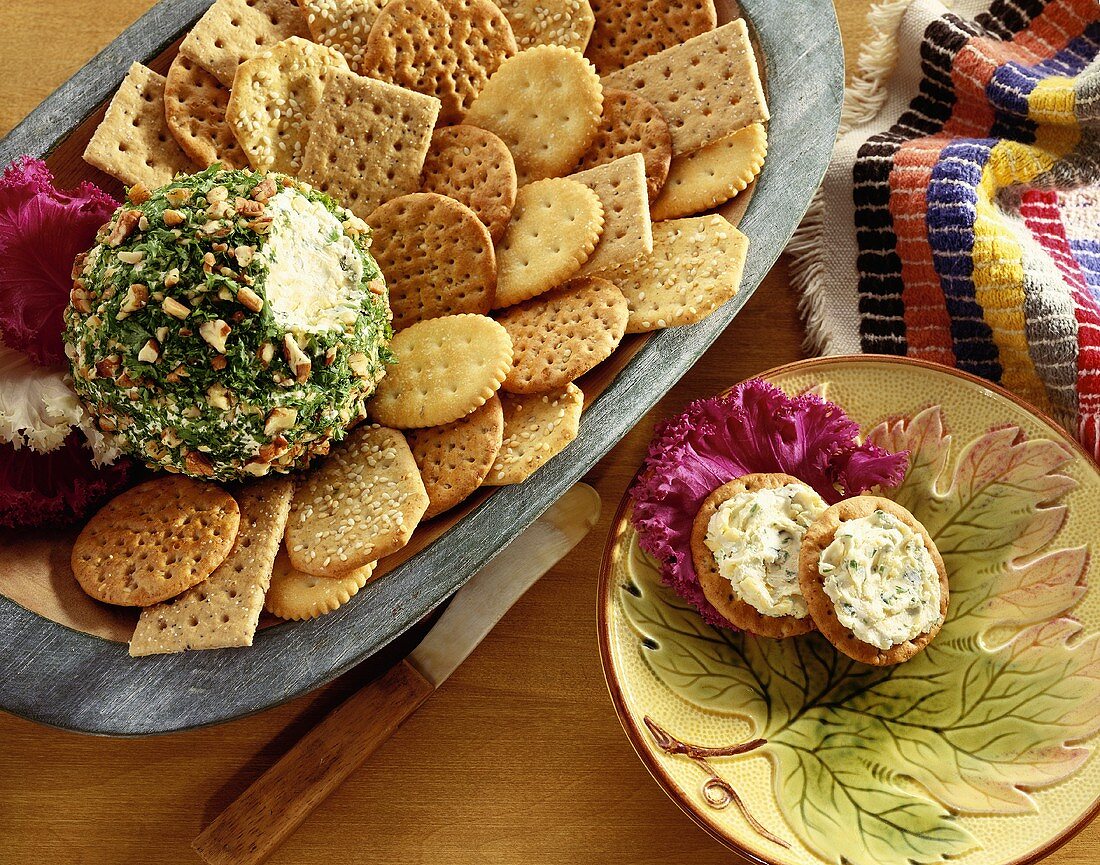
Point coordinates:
[(228, 325)]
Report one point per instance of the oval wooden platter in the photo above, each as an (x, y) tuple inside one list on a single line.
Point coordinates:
[(63, 677)]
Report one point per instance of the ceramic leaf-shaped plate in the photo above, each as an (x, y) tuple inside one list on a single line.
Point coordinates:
[(978, 750)]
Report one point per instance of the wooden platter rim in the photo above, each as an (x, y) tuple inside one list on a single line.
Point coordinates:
[(54, 675)]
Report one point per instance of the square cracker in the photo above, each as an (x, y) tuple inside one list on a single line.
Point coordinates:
[(223, 611), (707, 88), (134, 143), (627, 231), (368, 141), (233, 31)]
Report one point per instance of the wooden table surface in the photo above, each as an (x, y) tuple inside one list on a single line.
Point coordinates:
[(518, 758)]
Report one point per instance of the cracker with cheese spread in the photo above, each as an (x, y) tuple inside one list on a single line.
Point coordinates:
[(744, 545), (873, 580)]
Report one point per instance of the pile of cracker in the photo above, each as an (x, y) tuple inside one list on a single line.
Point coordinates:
[(533, 172)]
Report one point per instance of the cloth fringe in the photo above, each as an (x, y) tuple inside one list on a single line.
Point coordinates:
[(864, 97), (866, 93), (807, 273)]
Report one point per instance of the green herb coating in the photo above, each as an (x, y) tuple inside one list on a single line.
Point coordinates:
[(180, 357)]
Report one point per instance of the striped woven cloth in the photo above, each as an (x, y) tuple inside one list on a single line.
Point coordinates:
[(959, 220)]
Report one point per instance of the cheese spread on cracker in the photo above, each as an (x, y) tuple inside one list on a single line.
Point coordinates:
[(755, 537), (881, 580)]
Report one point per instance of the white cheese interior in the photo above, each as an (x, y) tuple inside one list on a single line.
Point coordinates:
[(881, 580), (755, 538), (313, 283)]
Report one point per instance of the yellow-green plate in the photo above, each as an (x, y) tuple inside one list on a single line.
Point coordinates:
[(980, 749)]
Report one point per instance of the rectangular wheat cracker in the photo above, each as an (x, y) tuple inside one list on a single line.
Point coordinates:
[(627, 230), (133, 143), (707, 88), (368, 141), (223, 611), (233, 31)]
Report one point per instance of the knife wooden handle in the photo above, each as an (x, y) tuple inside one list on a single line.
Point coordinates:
[(277, 803)]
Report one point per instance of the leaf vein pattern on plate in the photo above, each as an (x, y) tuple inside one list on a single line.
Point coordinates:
[(992, 709)]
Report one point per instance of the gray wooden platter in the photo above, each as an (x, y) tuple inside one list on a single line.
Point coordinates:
[(54, 675)]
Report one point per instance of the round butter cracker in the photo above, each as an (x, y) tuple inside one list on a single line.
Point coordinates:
[(719, 590), (442, 48), (820, 534), (537, 427), (631, 124), (446, 367), (545, 104), (473, 166), (713, 175), (155, 540), (555, 227), (559, 336), (455, 459), (298, 596), (437, 256)]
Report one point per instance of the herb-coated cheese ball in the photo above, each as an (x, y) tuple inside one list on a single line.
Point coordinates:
[(228, 325)]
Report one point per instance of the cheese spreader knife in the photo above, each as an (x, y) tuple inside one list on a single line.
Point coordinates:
[(277, 803)]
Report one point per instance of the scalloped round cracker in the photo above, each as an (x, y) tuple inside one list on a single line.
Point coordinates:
[(545, 104), (568, 23), (537, 427), (446, 367), (631, 124), (437, 256), (443, 48), (362, 503), (473, 166), (628, 30), (298, 596), (818, 536), (694, 268), (155, 540), (718, 590), (194, 108), (559, 336), (555, 225), (455, 459), (342, 24), (273, 100), (706, 178)]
